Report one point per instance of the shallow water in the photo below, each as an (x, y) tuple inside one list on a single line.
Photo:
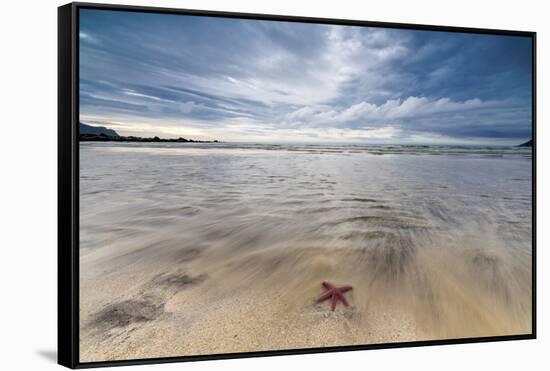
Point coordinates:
[(440, 234)]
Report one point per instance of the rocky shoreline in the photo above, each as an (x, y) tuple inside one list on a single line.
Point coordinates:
[(529, 143), (106, 138)]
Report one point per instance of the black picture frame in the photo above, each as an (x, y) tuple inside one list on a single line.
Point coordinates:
[(68, 184)]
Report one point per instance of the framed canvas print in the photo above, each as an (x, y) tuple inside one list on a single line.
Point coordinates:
[(235, 185)]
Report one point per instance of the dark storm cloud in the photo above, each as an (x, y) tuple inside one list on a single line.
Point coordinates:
[(257, 80)]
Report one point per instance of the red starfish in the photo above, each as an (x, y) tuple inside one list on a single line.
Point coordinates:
[(335, 293)]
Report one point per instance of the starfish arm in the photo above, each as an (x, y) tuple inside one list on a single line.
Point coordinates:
[(333, 303), (342, 299), (345, 288), (326, 295), (328, 285)]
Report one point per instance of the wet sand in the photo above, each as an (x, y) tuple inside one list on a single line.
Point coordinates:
[(214, 254)]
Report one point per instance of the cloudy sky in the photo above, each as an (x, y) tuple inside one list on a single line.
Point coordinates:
[(257, 81)]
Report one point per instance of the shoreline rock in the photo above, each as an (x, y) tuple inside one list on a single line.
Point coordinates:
[(106, 138)]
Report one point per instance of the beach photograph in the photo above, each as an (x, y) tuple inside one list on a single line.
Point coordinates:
[(257, 185)]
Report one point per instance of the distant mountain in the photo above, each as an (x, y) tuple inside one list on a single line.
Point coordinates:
[(529, 143), (97, 130)]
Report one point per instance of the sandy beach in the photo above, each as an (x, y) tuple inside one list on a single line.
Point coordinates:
[(198, 250)]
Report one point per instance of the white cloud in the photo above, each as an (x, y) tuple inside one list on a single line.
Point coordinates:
[(276, 75), (389, 112), (152, 97), (84, 36)]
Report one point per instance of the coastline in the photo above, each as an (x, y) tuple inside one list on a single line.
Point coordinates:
[(132, 139)]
